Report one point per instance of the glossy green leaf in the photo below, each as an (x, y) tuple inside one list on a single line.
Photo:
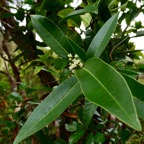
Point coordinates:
[(102, 38), (93, 8), (129, 72), (139, 107), (75, 21), (104, 86), (76, 136), (63, 13), (88, 112), (136, 88), (51, 35), (50, 108)]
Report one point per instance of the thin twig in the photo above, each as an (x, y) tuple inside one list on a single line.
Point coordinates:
[(2, 72), (116, 47), (6, 24), (4, 57)]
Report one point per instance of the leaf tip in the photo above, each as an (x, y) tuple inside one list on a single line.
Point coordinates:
[(138, 126)]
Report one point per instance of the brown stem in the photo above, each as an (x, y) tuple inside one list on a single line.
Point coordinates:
[(12, 63), (11, 79)]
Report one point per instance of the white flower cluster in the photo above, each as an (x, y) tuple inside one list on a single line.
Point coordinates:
[(74, 62)]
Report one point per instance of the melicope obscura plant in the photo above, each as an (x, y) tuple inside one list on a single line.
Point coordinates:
[(100, 83)]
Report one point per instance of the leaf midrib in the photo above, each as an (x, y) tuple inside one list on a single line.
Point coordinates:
[(51, 35), (102, 39), (108, 93), (51, 109)]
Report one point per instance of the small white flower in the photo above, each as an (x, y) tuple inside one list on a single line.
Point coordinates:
[(81, 64), (54, 55), (76, 61), (71, 67), (70, 55), (120, 124), (76, 56), (70, 63), (73, 71), (70, 59), (73, 60)]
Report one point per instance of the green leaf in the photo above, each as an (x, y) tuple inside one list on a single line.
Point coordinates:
[(129, 72), (86, 18), (50, 108), (90, 139), (88, 112), (102, 38), (136, 88), (99, 138), (139, 107), (104, 86), (15, 96), (60, 63), (38, 69), (75, 21), (51, 35), (71, 127), (93, 8), (63, 13), (125, 135), (76, 136)]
